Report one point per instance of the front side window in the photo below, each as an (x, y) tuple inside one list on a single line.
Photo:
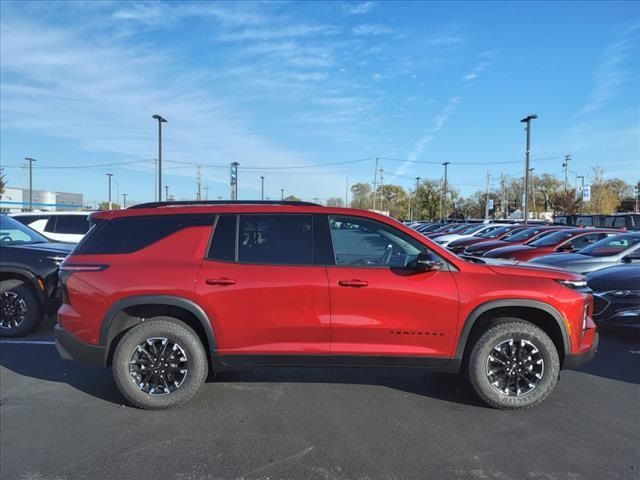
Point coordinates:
[(585, 240), (275, 239), (13, 232), (611, 246), (363, 242), (553, 238)]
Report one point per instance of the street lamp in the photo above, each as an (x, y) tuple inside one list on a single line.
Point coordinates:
[(109, 175), (527, 120), (124, 200), (261, 187), (446, 203), (282, 194), (30, 160), (160, 122), (581, 177)]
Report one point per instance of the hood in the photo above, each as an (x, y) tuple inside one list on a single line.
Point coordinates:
[(560, 259), (50, 247), (466, 241), (512, 267), (506, 251), (621, 277), (483, 245)]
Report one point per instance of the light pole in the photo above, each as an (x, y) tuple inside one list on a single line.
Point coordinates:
[(160, 122), (124, 200), (261, 187), (533, 190), (109, 175), (527, 120), (166, 192), (446, 202), (415, 207), (282, 194), (30, 160), (581, 177)]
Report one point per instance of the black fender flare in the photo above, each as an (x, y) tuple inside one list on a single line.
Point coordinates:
[(162, 300), (515, 302), (31, 277)]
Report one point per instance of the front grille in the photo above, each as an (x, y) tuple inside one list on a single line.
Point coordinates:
[(599, 304)]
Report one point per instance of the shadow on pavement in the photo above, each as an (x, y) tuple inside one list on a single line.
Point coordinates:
[(618, 357)]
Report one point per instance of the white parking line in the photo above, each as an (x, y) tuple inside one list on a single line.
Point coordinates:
[(27, 342)]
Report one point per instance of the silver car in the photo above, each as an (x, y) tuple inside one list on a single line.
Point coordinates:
[(610, 251)]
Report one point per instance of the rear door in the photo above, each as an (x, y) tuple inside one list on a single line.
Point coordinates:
[(381, 306), (263, 289)]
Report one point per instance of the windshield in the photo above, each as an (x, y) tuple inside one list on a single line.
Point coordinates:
[(13, 232), (495, 233), (523, 235), (553, 239), (610, 246)]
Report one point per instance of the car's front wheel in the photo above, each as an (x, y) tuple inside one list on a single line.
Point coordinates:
[(513, 365), (159, 364)]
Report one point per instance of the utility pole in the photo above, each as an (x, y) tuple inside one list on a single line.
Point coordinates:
[(166, 192), (160, 122), (30, 160), (415, 207), (504, 212), (346, 193), (199, 195), (124, 200), (486, 199), (109, 175), (234, 180), (381, 190), (581, 177), (533, 190), (444, 191), (567, 159), (206, 192), (527, 120), (375, 183), (282, 194), (261, 187)]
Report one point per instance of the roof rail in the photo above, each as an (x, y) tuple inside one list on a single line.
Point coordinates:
[(187, 203)]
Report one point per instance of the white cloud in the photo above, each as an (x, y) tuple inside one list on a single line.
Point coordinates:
[(445, 40), (486, 59), (372, 29), (358, 8), (611, 72), (278, 32)]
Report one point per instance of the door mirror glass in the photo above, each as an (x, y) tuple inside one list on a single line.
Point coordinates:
[(426, 263)]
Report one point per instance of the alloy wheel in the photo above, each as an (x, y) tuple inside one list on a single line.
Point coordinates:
[(13, 310), (515, 367), (158, 366)]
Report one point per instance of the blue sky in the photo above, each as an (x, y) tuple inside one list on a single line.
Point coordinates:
[(288, 84)]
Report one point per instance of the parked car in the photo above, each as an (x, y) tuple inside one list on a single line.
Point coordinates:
[(58, 226), (163, 291), (28, 277), (428, 227), (624, 248), (616, 292), (624, 221), (567, 240), (525, 236), (475, 230), (448, 228), (458, 246)]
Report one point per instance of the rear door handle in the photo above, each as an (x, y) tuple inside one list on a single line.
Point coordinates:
[(353, 283), (220, 281)]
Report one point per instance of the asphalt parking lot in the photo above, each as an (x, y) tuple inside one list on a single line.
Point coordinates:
[(64, 420)]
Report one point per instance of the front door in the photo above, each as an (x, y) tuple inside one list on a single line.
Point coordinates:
[(262, 290), (381, 305)]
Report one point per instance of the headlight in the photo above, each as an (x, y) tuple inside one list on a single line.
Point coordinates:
[(574, 284), (626, 293)]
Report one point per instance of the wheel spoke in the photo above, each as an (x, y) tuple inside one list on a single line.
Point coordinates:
[(515, 367), (158, 366)]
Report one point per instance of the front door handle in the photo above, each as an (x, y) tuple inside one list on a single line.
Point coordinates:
[(220, 281), (353, 283)]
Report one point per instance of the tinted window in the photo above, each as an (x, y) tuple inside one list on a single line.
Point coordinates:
[(13, 232), (223, 245), (276, 239), (363, 242), (611, 245), (620, 222), (128, 234), (585, 240), (29, 219), (51, 224), (553, 238), (72, 224)]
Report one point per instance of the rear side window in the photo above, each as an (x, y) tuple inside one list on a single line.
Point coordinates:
[(223, 245), (276, 239), (72, 224), (129, 234), (50, 227)]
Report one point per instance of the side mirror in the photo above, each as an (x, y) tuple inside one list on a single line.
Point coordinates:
[(566, 248), (632, 257), (424, 263)]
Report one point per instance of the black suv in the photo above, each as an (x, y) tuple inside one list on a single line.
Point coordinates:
[(28, 277)]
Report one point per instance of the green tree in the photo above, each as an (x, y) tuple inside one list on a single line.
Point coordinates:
[(546, 186), (606, 194), (566, 203), (394, 199), (335, 202), (361, 196), (428, 200)]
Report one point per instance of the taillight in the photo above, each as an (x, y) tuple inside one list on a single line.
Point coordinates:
[(68, 269)]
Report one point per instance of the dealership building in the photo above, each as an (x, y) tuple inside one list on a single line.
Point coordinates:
[(15, 200)]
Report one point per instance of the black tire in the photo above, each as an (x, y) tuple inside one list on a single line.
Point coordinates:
[(14, 295), (512, 350), (176, 333)]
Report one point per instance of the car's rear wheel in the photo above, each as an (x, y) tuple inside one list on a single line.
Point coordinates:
[(159, 364), (513, 365), (20, 311)]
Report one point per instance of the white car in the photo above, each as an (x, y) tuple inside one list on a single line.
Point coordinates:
[(58, 226), (475, 230)]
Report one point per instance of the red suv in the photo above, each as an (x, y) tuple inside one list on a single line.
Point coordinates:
[(165, 292)]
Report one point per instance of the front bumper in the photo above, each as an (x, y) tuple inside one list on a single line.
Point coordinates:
[(575, 361), (70, 348)]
